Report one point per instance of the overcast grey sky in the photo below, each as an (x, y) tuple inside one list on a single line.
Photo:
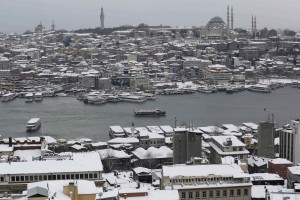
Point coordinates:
[(20, 15)]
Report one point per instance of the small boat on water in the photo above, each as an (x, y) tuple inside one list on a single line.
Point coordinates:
[(38, 96), (33, 124), (29, 97), (152, 113)]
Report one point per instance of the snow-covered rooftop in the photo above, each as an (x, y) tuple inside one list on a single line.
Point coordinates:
[(203, 171), (81, 162), (152, 152)]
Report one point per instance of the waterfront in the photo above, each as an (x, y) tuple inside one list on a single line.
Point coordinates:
[(66, 117)]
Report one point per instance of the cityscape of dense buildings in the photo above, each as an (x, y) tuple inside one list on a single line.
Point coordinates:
[(154, 162)]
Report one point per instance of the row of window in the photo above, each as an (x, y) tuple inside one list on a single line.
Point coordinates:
[(192, 180), (214, 193), (52, 177), (153, 142)]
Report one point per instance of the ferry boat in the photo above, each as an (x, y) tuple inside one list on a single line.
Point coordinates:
[(116, 131), (8, 97), (152, 113), (133, 98), (204, 89), (259, 88), (38, 96), (33, 124), (29, 97)]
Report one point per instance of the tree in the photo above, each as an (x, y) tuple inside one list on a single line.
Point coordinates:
[(288, 32), (149, 158), (264, 33), (272, 33)]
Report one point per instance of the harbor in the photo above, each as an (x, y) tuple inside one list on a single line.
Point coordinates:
[(66, 117)]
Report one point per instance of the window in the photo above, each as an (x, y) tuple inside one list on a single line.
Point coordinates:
[(49, 177), (36, 178), (40, 177), (77, 176), (238, 192), (17, 178), (31, 178), (81, 176), (204, 194), (190, 195), (53, 177), (218, 193), (72, 176), (224, 193), (231, 193), (90, 175), (240, 148), (63, 177), (58, 177), (233, 148), (13, 179), (95, 175), (211, 193), (45, 177), (68, 176), (183, 195), (86, 176), (245, 192), (22, 178), (197, 194), (26, 178)]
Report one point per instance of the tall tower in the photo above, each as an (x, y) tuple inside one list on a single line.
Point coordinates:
[(228, 22), (255, 27), (102, 19), (228, 25), (266, 134), (53, 26), (231, 18), (187, 144), (252, 23)]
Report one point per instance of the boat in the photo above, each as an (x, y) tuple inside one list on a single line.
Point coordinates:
[(113, 99), (29, 97), (154, 113), (8, 97), (133, 98), (229, 89), (116, 132), (38, 96), (33, 124), (259, 88), (204, 89)]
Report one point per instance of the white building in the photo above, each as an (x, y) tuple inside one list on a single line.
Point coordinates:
[(289, 139), (223, 146), (218, 73), (207, 181), (15, 175)]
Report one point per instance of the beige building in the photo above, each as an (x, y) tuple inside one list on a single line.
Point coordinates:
[(218, 73), (207, 181)]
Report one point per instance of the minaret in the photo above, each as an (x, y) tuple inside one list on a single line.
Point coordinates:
[(255, 27), (231, 18), (254, 24), (228, 25), (228, 22), (252, 27), (52, 26), (102, 19)]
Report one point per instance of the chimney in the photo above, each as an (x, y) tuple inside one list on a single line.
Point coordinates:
[(10, 141)]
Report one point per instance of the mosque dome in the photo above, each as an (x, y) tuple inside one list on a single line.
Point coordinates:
[(216, 20)]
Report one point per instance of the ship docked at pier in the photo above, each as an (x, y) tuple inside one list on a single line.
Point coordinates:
[(150, 113)]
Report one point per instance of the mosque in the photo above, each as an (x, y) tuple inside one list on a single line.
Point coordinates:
[(217, 29)]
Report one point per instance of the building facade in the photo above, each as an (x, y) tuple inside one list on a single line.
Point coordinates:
[(187, 144)]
